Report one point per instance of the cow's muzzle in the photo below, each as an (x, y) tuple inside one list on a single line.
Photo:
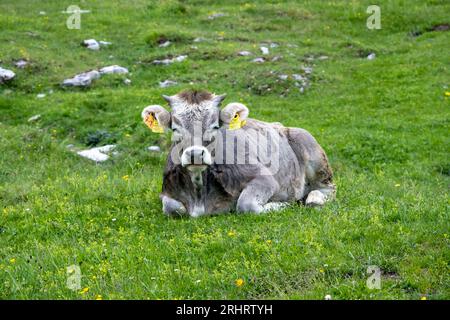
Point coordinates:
[(196, 157)]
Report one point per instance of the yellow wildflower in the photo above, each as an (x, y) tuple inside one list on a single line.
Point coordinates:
[(231, 234), (84, 290), (12, 260), (98, 297), (239, 282), (447, 93), (126, 177), (423, 298)]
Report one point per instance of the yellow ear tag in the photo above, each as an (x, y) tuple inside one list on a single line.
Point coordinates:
[(236, 122), (153, 124)]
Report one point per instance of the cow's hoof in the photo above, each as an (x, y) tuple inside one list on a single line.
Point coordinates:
[(315, 199), (249, 206), (274, 206), (173, 208)]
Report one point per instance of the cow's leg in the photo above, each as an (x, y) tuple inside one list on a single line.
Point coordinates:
[(172, 207), (318, 197), (256, 194)]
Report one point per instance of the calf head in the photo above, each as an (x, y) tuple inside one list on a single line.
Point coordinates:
[(195, 119)]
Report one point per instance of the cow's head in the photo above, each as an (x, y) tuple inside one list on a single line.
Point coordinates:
[(195, 120)]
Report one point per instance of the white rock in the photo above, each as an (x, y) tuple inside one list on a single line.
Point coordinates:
[(264, 50), (216, 15), (34, 118), (105, 43), (371, 56), (258, 60), (276, 58), (180, 58), (154, 149), (82, 79), (199, 39), (273, 45), (169, 61), (298, 77), (98, 154), (41, 95), (127, 81), (322, 58), (283, 76), (307, 70), (167, 83), (6, 75), (328, 297), (21, 63), (165, 44), (91, 44), (113, 69), (245, 53)]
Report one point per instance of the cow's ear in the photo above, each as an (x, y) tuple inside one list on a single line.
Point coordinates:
[(234, 115), (217, 100), (156, 118)]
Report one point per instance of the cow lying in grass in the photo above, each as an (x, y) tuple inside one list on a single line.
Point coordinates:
[(221, 160)]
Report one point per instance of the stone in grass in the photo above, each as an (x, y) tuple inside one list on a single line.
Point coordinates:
[(113, 69), (167, 83), (21, 63), (199, 39), (41, 95), (127, 81), (82, 79), (105, 43), (258, 60), (371, 56), (91, 44), (6, 75), (307, 70), (244, 53), (276, 58), (98, 154), (216, 15), (170, 61), (165, 44), (264, 50), (154, 149), (34, 118)]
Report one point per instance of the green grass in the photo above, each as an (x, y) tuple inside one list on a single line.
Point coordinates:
[(384, 124)]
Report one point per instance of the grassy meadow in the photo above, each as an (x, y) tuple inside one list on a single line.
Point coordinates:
[(384, 124)]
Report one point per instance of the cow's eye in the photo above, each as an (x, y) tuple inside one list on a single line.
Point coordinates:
[(216, 128), (174, 129)]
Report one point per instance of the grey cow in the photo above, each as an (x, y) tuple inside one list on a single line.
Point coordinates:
[(221, 160)]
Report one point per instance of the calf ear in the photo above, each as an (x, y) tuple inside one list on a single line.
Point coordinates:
[(234, 115), (156, 118)]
